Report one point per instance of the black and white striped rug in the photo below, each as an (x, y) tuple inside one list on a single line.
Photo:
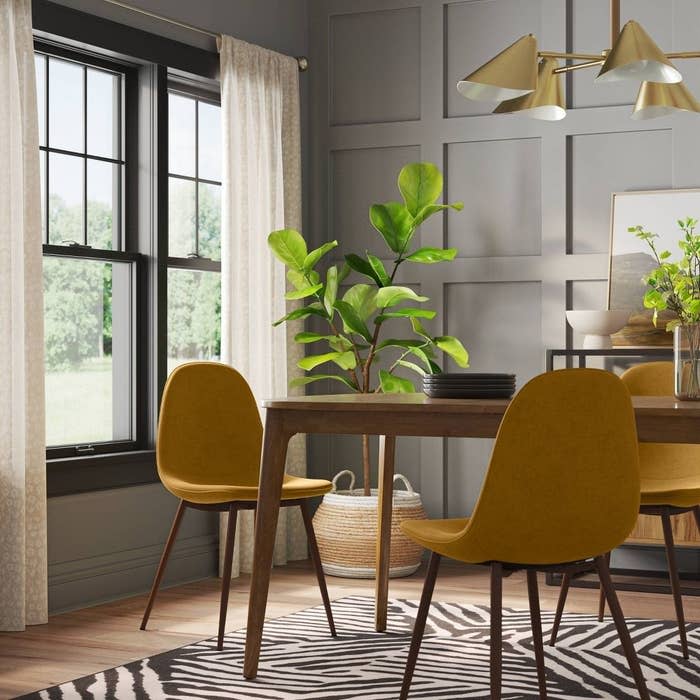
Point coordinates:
[(300, 660)]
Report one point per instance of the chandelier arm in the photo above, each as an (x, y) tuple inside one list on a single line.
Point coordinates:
[(614, 21), (573, 56), (683, 54), (578, 66)]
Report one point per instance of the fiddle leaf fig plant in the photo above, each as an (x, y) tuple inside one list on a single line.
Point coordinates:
[(356, 319)]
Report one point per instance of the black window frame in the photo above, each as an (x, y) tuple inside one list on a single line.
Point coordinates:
[(154, 64)]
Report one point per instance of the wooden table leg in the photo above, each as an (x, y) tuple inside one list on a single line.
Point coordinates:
[(274, 455), (387, 448)]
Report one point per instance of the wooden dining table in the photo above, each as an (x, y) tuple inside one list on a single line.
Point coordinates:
[(659, 419)]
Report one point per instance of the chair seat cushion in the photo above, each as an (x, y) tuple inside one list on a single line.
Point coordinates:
[(682, 492), (436, 535), (293, 487)]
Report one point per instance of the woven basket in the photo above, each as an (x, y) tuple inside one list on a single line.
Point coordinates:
[(346, 530)]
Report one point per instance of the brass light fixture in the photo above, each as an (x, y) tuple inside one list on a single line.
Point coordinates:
[(514, 78)]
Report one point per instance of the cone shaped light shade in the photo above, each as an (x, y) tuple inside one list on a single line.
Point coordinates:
[(660, 99), (510, 74), (635, 56), (546, 102)]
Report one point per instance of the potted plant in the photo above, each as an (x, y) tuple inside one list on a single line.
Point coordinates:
[(675, 286), (353, 323)]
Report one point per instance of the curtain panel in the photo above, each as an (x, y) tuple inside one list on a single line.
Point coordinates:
[(261, 193), (23, 583)]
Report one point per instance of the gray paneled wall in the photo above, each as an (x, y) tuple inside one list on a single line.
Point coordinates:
[(533, 237)]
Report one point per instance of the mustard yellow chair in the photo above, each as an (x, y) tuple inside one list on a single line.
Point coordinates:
[(670, 484), (561, 490), (208, 452)]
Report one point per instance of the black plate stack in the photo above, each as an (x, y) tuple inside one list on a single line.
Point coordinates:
[(469, 385)]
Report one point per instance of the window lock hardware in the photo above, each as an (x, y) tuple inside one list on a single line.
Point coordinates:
[(84, 449), (75, 244)]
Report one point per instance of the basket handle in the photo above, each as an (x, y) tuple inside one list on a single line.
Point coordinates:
[(343, 473), (406, 482)]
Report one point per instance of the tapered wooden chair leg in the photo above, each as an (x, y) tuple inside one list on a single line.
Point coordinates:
[(318, 566), (622, 631), (601, 594), (561, 603), (675, 581), (163, 561), (536, 620), (696, 513), (496, 628), (226, 573), (419, 626)]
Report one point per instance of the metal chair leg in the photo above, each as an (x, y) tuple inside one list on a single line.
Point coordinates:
[(419, 626), (536, 620), (563, 592), (496, 629), (622, 631), (316, 559), (226, 573), (163, 561), (675, 581), (601, 594)]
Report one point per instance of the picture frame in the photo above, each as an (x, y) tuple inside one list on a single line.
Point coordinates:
[(630, 259)]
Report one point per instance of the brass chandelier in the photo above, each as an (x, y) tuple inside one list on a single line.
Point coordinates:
[(528, 81)]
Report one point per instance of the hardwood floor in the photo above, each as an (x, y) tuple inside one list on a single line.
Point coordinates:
[(85, 641)]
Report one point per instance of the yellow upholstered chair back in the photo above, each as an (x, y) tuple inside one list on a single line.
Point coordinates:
[(661, 461), (563, 482), (209, 431)]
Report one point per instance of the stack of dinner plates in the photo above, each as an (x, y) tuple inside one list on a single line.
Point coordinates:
[(469, 385)]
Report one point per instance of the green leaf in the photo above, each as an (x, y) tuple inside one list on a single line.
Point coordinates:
[(351, 320), (427, 212), (303, 293), (394, 385), (311, 310), (339, 343), (363, 299), (289, 246), (420, 184), (408, 312), (301, 381), (399, 343), (379, 269), (390, 296), (418, 328), (308, 337), (344, 272), (454, 348), (346, 360), (315, 255), (331, 293), (363, 267), (412, 366), (299, 280), (394, 222), (428, 256)]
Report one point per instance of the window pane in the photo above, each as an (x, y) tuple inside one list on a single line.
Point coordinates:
[(42, 165), (194, 316), (102, 114), (181, 217), (210, 221), (65, 198), (88, 317), (65, 105), (209, 141), (40, 64), (181, 135), (102, 204)]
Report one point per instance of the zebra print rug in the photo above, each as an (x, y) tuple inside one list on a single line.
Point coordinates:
[(300, 660)]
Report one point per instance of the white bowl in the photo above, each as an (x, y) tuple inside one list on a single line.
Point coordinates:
[(598, 325)]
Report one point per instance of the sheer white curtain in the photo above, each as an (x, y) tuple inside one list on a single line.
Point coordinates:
[(261, 193), (23, 587)]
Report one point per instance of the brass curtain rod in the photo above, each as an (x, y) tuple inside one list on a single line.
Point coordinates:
[(302, 61)]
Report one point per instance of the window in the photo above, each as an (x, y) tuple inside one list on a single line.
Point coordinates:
[(194, 225), (89, 273)]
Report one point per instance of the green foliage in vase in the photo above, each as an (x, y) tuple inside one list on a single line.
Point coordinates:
[(674, 286), (354, 321)]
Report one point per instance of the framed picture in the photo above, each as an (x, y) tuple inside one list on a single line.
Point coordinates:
[(630, 259)]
